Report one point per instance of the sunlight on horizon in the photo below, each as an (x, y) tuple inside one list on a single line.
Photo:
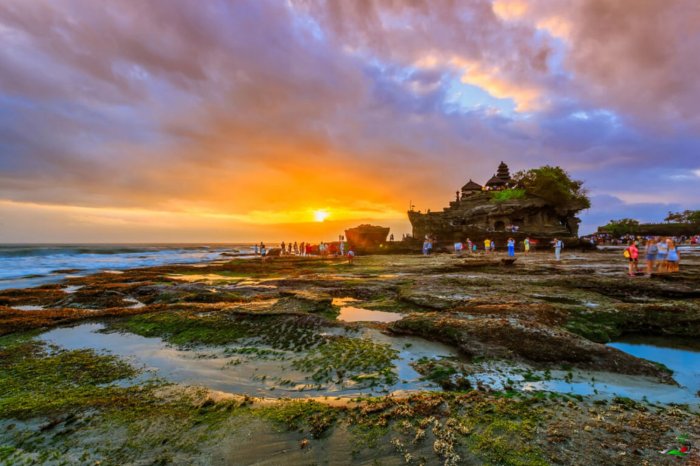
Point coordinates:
[(321, 215)]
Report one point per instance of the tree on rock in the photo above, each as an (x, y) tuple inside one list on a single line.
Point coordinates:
[(687, 216), (554, 185), (624, 226)]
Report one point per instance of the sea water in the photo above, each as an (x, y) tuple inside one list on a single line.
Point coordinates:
[(25, 265)]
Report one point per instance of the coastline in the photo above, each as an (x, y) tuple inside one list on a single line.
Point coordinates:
[(509, 344)]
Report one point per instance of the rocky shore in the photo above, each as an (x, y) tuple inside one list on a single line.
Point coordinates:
[(463, 364)]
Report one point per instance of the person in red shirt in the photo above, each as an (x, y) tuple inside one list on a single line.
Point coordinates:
[(633, 258)]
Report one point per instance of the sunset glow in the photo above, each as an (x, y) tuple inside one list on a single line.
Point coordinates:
[(320, 215), (365, 110)]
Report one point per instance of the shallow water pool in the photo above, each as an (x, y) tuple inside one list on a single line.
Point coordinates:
[(357, 314), (225, 369)]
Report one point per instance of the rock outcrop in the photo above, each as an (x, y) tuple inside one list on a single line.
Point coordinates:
[(479, 212)]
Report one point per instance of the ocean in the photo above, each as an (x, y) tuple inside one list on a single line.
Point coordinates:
[(27, 265)]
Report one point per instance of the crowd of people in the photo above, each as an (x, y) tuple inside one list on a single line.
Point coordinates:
[(472, 247), (607, 239), (661, 255), (334, 249)]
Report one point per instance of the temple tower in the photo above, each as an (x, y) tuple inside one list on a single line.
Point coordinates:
[(503, 172)]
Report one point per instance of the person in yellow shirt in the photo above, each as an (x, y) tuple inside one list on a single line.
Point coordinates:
[(487, 245)]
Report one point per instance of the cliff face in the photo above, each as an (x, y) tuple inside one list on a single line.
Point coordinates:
[(479, 215)]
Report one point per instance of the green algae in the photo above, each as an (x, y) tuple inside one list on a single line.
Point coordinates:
[(188, 329), (183, 328), (501, 431), (597, 325), (443, 372), (359, 359), (36, 378), (301, 415), (506, 442)]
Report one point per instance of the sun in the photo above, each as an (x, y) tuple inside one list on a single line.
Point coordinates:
[(321, 215)]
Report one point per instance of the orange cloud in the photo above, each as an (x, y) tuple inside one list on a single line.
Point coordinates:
[(494, 81), (510, 9)]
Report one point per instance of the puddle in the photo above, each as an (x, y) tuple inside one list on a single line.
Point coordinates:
[(232, 369), (343, 301), (680, 355), (29, 308), (269, 373), (72, 289), (135, 303), (256, 283), (356, 314), (204, 277)]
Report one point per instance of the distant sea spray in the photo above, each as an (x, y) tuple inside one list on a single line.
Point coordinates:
[(25, 265)]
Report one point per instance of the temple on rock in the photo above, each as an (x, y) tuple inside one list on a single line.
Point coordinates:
[(478, 211)]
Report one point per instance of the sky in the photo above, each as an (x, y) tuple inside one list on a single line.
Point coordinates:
[(247, 120)]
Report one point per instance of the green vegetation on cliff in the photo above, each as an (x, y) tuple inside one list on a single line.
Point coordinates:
[(554, 185), (508, 194)]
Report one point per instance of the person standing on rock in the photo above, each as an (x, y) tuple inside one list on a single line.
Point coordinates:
[(526, 245), (511, 247), (487, 245), (558, 244), (469, 245), (493, 246), (650, 252), (662, 247), (673, 258), (633, 255)]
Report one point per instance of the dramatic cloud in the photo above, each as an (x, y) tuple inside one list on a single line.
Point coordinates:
[(229, 114)]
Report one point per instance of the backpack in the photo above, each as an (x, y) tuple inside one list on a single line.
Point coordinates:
[(626, 253)]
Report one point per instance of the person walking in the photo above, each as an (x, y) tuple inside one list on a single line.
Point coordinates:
[(511, 247), (558, 244)]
